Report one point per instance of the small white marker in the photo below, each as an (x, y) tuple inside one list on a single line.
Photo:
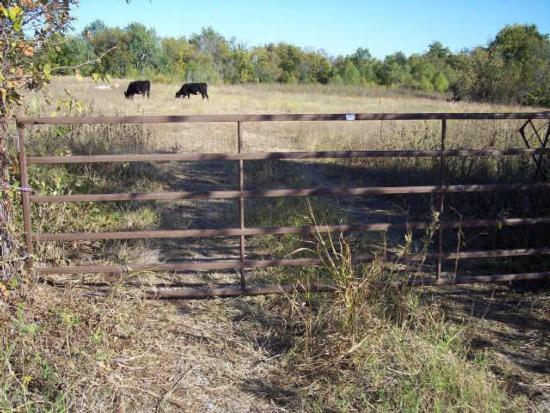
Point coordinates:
[(350, 116)]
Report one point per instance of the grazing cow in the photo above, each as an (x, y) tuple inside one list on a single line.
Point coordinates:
[(138, 87), (193, 89)]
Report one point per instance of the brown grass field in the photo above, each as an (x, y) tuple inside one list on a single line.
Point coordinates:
[(90, 343)]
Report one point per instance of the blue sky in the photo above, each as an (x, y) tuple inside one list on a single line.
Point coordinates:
[(338, 27)]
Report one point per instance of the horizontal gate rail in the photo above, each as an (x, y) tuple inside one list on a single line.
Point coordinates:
[(186, 292), (283, 262), (182, 266), (258, 156), (285, 193), (451, 278), (518, 252), (190, 266), (88, 120), (239, 196), (309, 229)]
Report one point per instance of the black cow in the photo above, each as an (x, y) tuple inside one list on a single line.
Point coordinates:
[(193, 89), (138, 87)]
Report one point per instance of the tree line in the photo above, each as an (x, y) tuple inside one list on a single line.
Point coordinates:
[(514, 67)]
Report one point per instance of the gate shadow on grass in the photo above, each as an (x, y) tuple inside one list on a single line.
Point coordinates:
[(458, 302), (222, 175), (194, 176)]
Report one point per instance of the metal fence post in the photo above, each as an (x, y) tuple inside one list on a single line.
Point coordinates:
[(441, 196), (541, 158), (241, 205), (25, 194)]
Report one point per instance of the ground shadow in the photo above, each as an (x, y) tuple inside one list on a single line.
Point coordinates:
[(223, 175)]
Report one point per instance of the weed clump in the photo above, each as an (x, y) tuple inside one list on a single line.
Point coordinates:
[(374, 346)]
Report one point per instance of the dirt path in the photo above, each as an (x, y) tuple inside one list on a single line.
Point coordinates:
[(207, 355), (224, 355), (198, 356)]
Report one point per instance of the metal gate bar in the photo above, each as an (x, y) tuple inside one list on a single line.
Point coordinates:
[(537, 158), (286, 193), (299, 262), (258, 156), (308, 229), (325, 117), (242, 194), (441, 195), (25, 194), (241, 206), (178, 292)]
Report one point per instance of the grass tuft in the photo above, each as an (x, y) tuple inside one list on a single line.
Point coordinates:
[(372, 347)]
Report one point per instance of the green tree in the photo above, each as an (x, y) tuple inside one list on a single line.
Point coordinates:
[(479, 74), (440, 82), (176, 53), (239, 67), (366, 64), (513, 68), (525, 52), (315, 68), (266, 65), (421, 72), (95, 27), (336, 79), (213, 46), (201, 72), (68, 53), (143, 47), (113, 42), (350, 74), (394, 70), (291, 58), (438, 52), (519, 43)]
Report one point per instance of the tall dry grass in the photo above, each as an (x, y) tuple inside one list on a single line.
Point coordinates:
[(372, 347)]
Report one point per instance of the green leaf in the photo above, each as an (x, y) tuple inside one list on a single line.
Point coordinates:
[(15, 14), (47, 69)]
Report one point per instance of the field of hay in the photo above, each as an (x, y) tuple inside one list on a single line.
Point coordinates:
[(90, 343)]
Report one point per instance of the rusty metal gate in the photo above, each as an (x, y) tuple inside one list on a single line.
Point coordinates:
[(537, 151)]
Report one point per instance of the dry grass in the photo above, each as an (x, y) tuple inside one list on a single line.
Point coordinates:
[(363, 349), (64, 351)]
